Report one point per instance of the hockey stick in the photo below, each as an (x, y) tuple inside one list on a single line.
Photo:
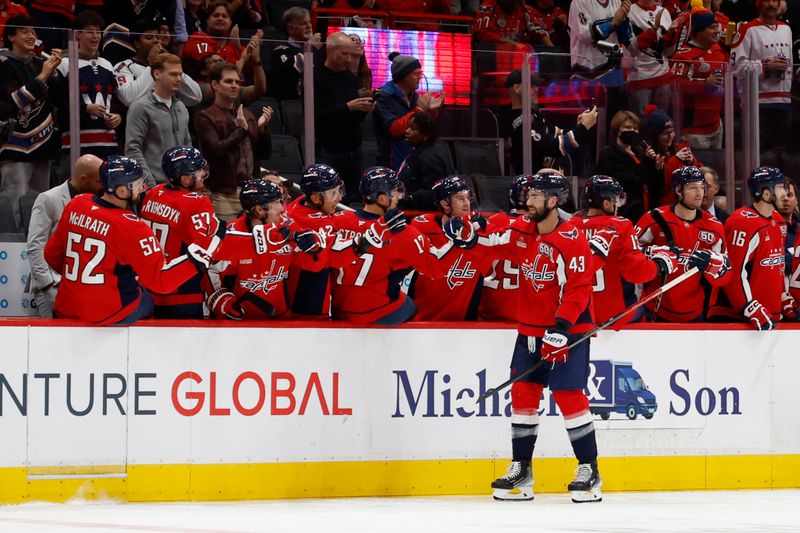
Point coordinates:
[(652, 296)]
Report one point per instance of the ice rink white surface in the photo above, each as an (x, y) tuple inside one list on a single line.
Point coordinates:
[(760, 511)]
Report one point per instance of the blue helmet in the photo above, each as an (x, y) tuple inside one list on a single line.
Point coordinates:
[(376, 181), (447, 187), (764, 178), (182, 161), (258, 192), (684, 175), (319, 178), (518, 192), (551, 183), (601, 187), (118, 170)]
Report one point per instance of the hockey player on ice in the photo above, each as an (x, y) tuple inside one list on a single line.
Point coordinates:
[(557, 269)]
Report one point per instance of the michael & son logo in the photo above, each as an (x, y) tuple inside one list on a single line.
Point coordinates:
[(614, 388), (190, 394)]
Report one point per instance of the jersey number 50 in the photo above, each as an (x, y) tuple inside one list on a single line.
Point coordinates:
[(96, 247)]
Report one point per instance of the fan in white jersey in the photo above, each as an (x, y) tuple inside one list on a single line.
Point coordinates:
[(765, 45), (591, 21)]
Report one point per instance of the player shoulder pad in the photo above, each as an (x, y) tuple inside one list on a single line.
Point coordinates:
[(132, 217), (421, 219)]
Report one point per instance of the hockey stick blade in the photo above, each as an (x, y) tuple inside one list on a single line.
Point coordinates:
[(653, 295)]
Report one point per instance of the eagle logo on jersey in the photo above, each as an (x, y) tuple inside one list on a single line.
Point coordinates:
[(457, 273), (749, 214), (572, 234), (266, 284)]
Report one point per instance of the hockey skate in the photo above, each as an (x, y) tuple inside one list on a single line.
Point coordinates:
[(517, 484), (586, 485)]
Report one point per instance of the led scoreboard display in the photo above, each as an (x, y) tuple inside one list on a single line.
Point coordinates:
[(446, 58)]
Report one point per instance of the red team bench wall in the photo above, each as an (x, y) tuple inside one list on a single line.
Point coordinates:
[(169, 411)]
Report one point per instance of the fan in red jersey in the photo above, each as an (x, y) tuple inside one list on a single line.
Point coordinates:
[(179, 216), (626, 264), (698, 236), (756, 235), (108, 256), (250, 279), (318, 209), (368, 290), (554, 310), (456, 296)]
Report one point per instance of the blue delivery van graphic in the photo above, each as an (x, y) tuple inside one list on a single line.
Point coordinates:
[(616, 387)]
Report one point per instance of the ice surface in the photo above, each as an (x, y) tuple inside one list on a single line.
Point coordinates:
[(768, 510)]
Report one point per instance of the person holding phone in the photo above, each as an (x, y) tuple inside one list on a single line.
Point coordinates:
[(632, 162)]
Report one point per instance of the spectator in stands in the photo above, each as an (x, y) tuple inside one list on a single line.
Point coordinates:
[(28, 91), (286, 62), (649, 77), (765, 44), (660, 135), (51, 19), (158, 121), (220, 38), (788, 210), (548, 143), (590, 22), (554, 20), (9, 9), (126, 14), (509, 22), (698, 68), (134, 76), (395, 103), (98, 124), (339, 112), (193, 12), (46, 212), (425, 165), (232, 140), (710, 195), (631, 162), (250, 59), (360, 68)]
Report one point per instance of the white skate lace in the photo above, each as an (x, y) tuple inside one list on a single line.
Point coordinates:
[(513, 470), (583, 473)]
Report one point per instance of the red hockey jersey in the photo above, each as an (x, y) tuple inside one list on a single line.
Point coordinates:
[(757, 264), (106, 255), (455, 296), (492, 24), (685, 302), (179, 218), (556, 275), (501, 284), (369, 289), (701, 105), (311, 291), (626, 265), (257, 269), (794, 277)]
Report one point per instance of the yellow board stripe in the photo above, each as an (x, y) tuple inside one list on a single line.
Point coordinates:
[(75, 470), (149, 483)]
